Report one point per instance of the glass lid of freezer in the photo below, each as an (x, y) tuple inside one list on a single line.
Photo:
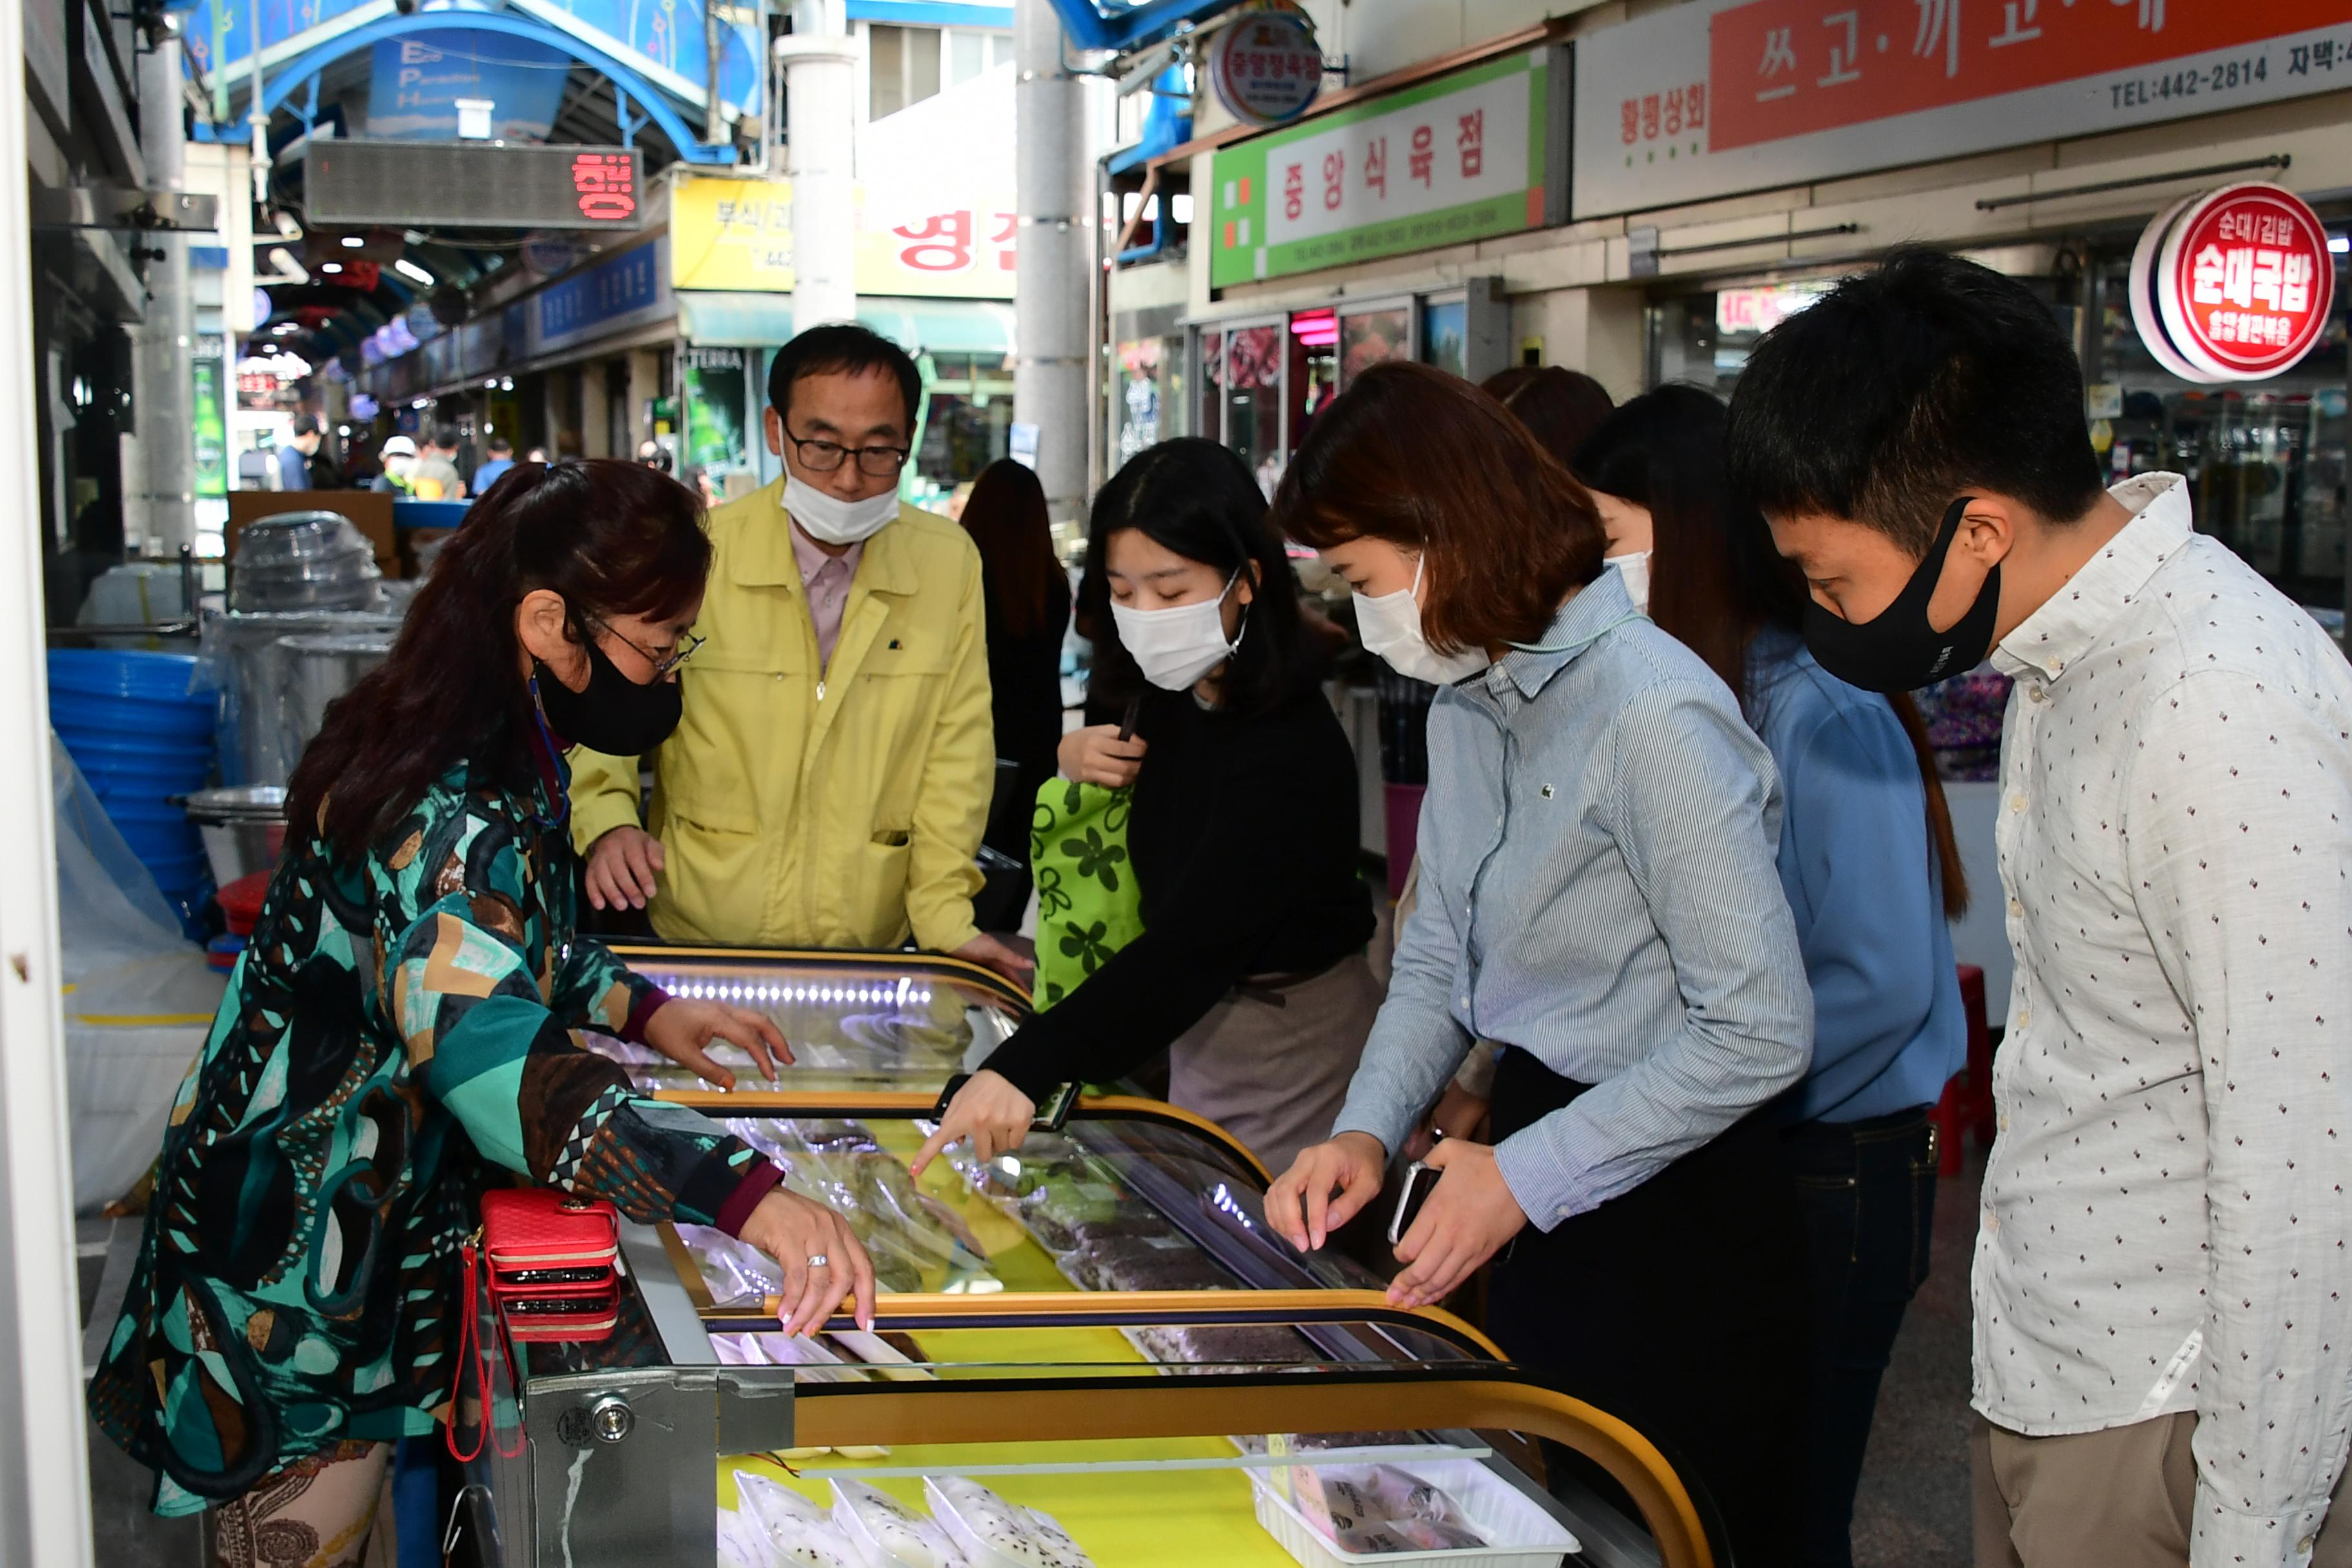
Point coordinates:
[(855, 1020), (1128, 1195)]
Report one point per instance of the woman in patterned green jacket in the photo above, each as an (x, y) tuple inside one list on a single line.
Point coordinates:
[(401, 1026)]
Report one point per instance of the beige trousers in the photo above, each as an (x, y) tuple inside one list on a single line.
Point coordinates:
[(2118, 1499), (1272, 1066)]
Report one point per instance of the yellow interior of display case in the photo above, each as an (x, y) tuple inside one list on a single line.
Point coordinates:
[(1124, 1519)]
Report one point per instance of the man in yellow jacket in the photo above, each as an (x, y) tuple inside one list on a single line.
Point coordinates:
[(828, 783)]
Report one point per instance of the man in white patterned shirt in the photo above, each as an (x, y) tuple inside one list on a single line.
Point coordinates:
[(2163, 1346)]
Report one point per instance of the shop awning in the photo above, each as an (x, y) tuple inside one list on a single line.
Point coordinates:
[(715, 318)]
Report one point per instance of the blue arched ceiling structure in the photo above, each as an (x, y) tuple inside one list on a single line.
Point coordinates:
[(294, 86), (304, 69)]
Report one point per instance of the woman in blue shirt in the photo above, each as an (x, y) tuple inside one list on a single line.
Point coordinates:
[(1598, 894), (1867, 860)]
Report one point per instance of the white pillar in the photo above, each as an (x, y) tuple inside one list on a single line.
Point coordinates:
[(820, 63), (44, 1462), (158, 467), (1050, 375)]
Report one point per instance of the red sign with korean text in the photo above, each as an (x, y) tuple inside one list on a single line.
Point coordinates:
[(606, 185), (2237, 283), (1786, 68)]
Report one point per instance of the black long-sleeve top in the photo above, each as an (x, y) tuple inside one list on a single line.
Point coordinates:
[(1024, 678), (1244, 840)]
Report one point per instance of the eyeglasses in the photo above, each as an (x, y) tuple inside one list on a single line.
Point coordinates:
[(824, 456), (663, 663)]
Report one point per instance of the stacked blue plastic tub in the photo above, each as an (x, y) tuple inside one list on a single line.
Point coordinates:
[(141, 727)]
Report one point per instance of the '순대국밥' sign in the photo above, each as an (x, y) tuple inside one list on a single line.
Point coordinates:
[(2234, 285), (1720, 96), (1462, 158)]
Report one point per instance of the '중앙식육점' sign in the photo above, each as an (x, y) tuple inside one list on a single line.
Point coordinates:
[(2234, 285)]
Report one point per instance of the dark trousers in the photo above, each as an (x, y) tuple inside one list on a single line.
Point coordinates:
[(1679, 1307), (1868, 1192)]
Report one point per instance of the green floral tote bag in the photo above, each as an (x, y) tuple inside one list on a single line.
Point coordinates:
[(1088, 905)]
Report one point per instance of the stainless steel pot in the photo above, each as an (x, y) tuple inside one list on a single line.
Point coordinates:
[(321, 669), (243, 827)]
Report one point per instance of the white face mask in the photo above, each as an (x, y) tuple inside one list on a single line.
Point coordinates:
[(1176, 646), (833, 520), (1390, 628), (1634, 567)]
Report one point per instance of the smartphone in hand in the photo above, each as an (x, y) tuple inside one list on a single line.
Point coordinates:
[(1419, 1181)]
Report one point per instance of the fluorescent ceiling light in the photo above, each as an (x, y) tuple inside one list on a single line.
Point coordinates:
[(414, 273), (354, 241)]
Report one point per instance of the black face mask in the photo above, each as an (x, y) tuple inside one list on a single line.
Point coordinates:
[(612, 713), (1898, 650)]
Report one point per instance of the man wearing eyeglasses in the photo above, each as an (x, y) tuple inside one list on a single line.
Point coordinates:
[(829, 781)]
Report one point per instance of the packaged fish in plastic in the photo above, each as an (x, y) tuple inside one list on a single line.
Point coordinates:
[(742, 1542), (735, 1271), (886, 1533), (799, 1531), (995, 1533), (1381, 1508), (1177, 1347)]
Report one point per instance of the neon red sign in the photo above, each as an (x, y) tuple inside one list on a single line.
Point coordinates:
[(606, 184), (2233, 286)]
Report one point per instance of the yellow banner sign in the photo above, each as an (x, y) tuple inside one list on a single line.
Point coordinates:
[(738, 234)]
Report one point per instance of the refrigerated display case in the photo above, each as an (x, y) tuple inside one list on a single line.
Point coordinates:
[(1100, 1326)]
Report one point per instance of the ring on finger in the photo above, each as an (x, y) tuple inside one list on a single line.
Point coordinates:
[(819, 1260)]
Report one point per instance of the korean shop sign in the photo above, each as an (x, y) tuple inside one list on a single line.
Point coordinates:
[(936, 217), (1468, 156), (2234, 285), (1715, 97), (1266, 66), (738, 234)]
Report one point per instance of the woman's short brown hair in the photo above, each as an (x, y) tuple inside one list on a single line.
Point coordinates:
[(1427, 461)]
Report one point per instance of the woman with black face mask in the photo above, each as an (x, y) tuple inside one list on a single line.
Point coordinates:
[(399, 1029)]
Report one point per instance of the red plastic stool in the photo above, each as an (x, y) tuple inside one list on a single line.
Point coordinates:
[(1966, 1104)]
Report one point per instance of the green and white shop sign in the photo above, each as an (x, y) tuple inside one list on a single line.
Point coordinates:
[(1480, 152)]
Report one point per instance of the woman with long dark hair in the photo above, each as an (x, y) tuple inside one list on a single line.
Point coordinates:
[(1560, 407), (1026, 595), (1872, 872), (1597, 895), (1251, 970), (399, 1029)]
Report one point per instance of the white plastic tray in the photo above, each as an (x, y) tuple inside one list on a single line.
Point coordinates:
[(1530, 1538)]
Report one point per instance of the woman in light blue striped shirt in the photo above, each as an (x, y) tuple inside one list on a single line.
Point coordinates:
[(1871, 869), (1598, 894)]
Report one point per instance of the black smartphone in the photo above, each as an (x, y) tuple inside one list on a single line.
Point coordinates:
[(1419, 1181), (561, 1306), (555, 1275), (1048, 1118)]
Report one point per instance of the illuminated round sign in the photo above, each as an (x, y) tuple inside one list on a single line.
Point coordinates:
[(1267, 66), (2233, 286)]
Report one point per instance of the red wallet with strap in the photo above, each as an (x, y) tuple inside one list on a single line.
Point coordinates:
[(553, 1261), (550, 1262)]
